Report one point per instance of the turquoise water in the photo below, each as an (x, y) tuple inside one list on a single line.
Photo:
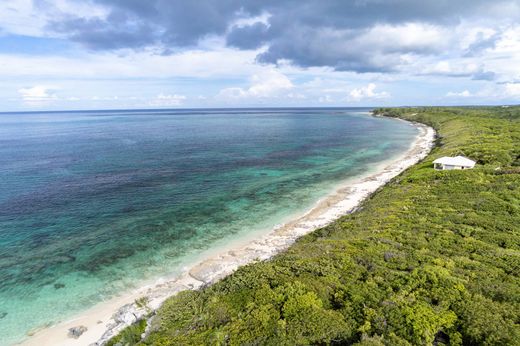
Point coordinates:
[(93, 203)]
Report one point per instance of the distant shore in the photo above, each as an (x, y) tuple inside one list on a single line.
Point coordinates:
[(106, 319)]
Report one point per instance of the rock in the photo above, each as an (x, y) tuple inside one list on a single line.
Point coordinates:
[(75, 332), (125, 315), (209, 271)]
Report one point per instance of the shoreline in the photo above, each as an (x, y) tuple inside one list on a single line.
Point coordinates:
[(107, 319)]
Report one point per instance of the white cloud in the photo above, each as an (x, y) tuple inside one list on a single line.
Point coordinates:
[(19, 17), (28, 17), (225, 63), (269, 84), (104, 98), (476, 52), (509, 41), (512, 89), (367, 92), (246, 20), (325, 99), (463, 67), (508, 92), (296, 96), (37, 95), (409, 36), (167, 100), (231, 93), (465, 93)]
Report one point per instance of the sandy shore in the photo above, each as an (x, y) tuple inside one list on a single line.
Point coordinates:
[(107, 318)]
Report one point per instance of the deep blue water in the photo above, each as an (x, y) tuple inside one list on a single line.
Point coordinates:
[(92, 203)]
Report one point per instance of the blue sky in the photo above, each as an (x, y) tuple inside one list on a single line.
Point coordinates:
[(100, 54)]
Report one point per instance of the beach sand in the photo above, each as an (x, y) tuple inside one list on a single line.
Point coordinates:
[(108, 318)]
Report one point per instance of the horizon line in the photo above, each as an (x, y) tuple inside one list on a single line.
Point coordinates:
[(245, 108)]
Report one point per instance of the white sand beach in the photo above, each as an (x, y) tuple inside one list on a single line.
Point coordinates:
[(108, 318)]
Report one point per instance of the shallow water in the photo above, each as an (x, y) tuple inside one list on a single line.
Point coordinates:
[(93, 203)]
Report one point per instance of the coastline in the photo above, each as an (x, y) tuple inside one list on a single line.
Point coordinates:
[(221, 263)]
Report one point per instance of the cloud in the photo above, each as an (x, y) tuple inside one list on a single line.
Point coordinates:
[(512, 90), (296, 96), (167, 100), (484, 75), (482, 43), (325, 99), (37, 95), (140, 24), (366, 92), (14, 14), (380, 48), (458, 68), (227, 63), (465, 93), (268, 84), (509, 92), (98, 34), (248, 37), (360, 36)]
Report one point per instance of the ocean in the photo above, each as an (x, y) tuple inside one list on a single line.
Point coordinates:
[(95, 203)]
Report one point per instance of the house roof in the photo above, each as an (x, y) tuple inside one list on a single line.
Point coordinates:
[(455, 161)]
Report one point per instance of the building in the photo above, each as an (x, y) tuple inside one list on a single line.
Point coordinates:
[(457, 162)]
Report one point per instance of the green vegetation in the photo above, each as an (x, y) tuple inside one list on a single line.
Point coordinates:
[(431, 258), (131, 335), (142, 302)]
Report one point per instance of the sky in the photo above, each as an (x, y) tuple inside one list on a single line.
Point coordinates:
[(124, 54)]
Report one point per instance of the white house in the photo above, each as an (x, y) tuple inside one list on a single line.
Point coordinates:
[(457, 162)]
